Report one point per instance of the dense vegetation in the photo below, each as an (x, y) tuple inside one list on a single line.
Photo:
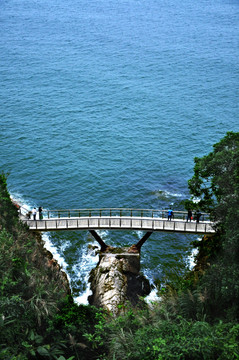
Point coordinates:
[(34, 295), (216, 183), (197, 317)]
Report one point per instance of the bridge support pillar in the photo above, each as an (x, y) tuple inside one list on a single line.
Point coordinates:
[(142, 241), (99, 240)]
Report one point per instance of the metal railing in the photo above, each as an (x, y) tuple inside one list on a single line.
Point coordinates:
[(116, 212)]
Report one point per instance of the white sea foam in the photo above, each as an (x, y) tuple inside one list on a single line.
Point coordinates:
[(191, 258), (50, 247), (65, 245), (103, 233), (88, 261), (139, 233), (25, 206), (169, 194), (152, 297)]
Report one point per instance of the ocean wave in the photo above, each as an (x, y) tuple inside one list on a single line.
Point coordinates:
[(46, 237), (25, 205), (168, 194), (103, 233), (88, 261), (152, 297), (139, 233), (191, 258)]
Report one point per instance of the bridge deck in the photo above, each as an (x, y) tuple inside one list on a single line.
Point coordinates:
[(120, 223)]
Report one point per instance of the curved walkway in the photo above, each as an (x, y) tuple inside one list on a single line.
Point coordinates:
[(118, 219)]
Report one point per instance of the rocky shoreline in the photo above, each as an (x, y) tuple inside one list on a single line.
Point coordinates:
[(47, 258)]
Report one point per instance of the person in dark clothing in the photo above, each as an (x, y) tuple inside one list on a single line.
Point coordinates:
[(190, 214), (198, 215), (40, 213)]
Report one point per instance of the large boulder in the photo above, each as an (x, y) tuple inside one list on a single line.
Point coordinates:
[(116, 280)]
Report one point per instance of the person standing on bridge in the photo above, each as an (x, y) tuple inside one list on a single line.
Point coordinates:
[(198, 215), (189, 216), (40, 213), (170, 214), (34, 213)]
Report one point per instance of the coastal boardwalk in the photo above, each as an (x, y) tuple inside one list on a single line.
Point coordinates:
[(118, 219)]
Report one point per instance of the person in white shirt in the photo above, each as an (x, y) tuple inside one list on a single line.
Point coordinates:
[(34, 213)]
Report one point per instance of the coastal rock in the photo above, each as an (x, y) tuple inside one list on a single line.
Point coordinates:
[(116, 280)]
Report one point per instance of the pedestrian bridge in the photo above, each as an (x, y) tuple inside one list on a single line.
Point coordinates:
[(117, 219)]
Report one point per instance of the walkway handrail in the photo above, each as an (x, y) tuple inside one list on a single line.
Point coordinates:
[(122, 212)]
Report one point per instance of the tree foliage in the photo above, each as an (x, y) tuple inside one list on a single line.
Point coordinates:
[(216, 183), (216, 180)]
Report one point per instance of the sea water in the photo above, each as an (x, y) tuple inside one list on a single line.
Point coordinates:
[(106, 103)]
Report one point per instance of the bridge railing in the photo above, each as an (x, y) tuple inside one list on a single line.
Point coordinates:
[(119, 212)]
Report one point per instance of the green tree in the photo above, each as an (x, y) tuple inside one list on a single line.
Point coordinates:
[(216, 183), (8, 212)]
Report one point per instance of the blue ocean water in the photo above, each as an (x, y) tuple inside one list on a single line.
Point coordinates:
[(106, 104)]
